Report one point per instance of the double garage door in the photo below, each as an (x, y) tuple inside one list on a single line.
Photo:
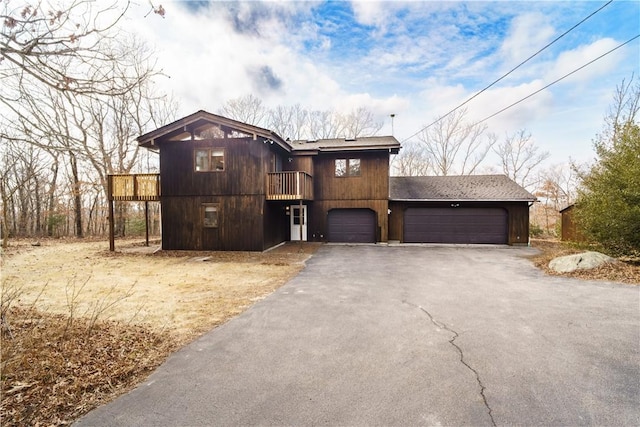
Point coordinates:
[(351, 225), (456, 225)]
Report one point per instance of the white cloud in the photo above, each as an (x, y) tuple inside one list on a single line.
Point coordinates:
[(369, 12), (527, 34), (570, 60), (423, 60)]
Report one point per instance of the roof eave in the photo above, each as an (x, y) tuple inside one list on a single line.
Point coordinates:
[(148, 139), (358, 148), (460, 200)]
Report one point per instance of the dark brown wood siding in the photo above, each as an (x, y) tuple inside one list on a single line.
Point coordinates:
[(238, 190), (370, 190), (518, 217), (300, 163), (276, 224), (240, 223), (372, 184), (246, 163)]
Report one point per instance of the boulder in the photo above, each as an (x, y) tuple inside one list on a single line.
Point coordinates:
[(586, 260)]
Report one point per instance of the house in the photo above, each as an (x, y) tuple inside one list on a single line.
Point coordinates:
[(227, 185)]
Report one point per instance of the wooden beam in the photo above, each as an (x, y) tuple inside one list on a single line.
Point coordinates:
[(112, 244), (146, 222)]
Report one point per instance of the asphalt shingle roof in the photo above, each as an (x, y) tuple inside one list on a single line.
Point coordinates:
[(468, 187)]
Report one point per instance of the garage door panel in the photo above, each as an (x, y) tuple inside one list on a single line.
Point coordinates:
[(351, 226), (455, 225)]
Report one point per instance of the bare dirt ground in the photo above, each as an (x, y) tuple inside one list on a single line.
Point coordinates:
[(81, 325)]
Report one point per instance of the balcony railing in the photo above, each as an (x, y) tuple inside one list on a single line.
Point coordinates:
[(289, 186), (144, 187)]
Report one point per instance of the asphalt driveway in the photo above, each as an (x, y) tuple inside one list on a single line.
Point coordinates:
[(376, 335)]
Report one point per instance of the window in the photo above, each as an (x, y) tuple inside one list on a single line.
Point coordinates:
[(347, 167), (210, 215), (209, 159)]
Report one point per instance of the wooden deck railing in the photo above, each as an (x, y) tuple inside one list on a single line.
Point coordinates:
[(143, 187), (289, 186)]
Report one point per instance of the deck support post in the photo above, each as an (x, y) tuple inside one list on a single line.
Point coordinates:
[(112, 244), (146, 222)]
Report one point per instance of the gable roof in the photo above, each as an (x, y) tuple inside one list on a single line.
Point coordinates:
[(467, 187), (344, 144), (201, 120)]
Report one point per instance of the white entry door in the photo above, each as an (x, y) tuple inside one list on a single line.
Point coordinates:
[(296, 220)]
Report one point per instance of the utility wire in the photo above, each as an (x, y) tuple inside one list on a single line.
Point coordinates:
[(511, 71), (561, 78)]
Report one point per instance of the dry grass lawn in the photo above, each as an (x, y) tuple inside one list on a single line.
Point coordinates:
[(81, 325)]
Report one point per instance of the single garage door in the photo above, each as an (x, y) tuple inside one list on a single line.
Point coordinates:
[(455, 225), (351, 225)]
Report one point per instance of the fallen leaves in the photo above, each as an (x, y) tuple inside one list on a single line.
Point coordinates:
[(620, 271), (53, 371)]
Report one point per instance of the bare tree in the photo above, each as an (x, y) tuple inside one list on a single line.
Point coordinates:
[(411, 161), (624, 109), (68, 47), (455, 146), (325, 124), (556, 189), (246, 109), (22, 189), (296, 122), (519, 157), (289, 121), (360, 122), (93, 134)]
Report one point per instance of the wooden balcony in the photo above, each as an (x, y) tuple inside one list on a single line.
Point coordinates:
[(289, 186), (143, 187)]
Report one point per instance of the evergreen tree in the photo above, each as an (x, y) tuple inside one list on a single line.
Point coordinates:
[(608, 207)]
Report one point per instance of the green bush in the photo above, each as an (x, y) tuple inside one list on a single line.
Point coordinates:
[(535, 230), (608, 207)]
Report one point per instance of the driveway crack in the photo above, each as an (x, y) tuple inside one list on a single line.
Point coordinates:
[(452, 341)]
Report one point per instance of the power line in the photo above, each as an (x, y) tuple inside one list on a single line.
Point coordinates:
[(561, 78), (511, 71)]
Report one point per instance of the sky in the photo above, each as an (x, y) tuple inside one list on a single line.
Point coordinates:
[(417, 60)]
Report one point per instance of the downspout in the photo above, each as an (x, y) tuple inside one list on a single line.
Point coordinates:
[(529, 224)]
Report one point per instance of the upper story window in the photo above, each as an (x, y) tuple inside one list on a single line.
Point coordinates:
[(209, 159), (347, 167)]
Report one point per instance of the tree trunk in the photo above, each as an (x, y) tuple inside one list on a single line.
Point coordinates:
[(23, 216), (121, 218), (38, 201), (5, 215), (52, 198), (77, 199)]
